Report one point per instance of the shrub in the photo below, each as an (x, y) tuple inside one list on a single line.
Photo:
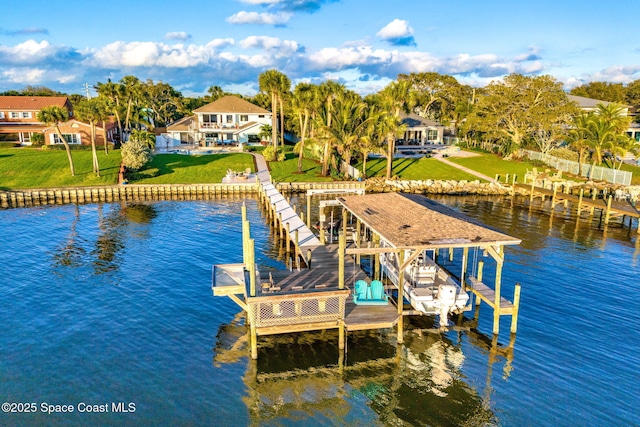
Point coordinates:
[(37, 139), (9, 144), (135, 154), (270, 155)]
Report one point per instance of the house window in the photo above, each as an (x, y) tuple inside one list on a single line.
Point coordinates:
[(244, 118), (26, 114), (261, 116), (72, 138), (229, 118), (1, 115), (15, 115), (432, 135)]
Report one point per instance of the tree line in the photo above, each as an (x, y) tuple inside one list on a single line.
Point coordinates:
[(335, 124)]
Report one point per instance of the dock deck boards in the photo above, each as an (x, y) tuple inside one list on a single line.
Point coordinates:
[(362, 317), (323, 274), (306, 238), (488, 295)]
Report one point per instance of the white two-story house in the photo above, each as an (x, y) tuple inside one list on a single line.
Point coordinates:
[(228, 121)]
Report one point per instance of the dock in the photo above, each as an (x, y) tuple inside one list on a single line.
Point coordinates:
[(608, 207), (317, 294)]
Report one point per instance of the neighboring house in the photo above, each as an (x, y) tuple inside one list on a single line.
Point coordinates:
[(420, 130), (19, 121), (78, 133), (588, 105), (18, 115), (229, 120)]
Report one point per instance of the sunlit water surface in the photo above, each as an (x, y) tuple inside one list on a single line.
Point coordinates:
[(111, 304)]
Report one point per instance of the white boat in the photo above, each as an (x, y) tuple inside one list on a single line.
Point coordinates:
[(427, 286)]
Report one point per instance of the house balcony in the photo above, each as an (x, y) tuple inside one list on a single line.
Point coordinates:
[(217, 126)]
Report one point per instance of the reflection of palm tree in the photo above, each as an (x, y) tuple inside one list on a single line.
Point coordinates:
[(71, 253)]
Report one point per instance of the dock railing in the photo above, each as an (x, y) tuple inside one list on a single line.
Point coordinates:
[(301, 311)]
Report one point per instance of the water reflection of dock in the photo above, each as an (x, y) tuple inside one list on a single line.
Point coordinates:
[(306, 375)]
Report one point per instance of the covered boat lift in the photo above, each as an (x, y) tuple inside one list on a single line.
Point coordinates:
[(415, 223)]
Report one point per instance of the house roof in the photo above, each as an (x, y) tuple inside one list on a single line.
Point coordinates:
[(589, 103), (184, 124), (75, 123), (231, 104), (413, 120), (414, 221), (31, 103)]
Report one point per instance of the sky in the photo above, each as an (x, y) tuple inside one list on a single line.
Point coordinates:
[(364, 44)]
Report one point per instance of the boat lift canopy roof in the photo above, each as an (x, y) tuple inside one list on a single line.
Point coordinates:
[(411, 221)]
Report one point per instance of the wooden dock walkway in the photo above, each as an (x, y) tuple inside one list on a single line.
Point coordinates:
[(609, 207)]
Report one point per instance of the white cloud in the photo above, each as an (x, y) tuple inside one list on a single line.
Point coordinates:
[(395, 29), (29, 51), (256, 18), (273, 44), (149, 54), (177, 35), (24, 76)]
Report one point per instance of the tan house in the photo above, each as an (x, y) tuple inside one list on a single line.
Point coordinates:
[(19, 121), (18, 115), (229, 120), (79, 133)]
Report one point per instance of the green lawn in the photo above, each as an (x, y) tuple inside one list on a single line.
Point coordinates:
[(490, 165), (186, 169), (33, 168), (635, 170), (416, 169), (287, 170)]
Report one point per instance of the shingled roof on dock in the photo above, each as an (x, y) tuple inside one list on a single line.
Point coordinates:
[(412, 221)]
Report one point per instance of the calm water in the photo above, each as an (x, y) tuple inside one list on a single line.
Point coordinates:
[(111, 305)]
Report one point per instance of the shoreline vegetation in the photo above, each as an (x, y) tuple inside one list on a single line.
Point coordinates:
[(28, 168)]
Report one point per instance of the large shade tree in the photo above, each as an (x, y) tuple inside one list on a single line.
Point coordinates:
[(53, 116), (513, 110)]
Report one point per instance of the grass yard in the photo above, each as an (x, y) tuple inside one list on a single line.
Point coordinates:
[(33, 168), (635, 170), (490, 165), (287, 171), (186, 169), (416, 169)]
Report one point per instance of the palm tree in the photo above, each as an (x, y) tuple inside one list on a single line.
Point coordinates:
[(145, 137), (53, 116), (284, 91), (374, 135), (131, 89), (303, 100), (328, 91), (265, 132), (269, 83), (349, 126), (112, 92), (395, 97), (579, 137), (93, 111)]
